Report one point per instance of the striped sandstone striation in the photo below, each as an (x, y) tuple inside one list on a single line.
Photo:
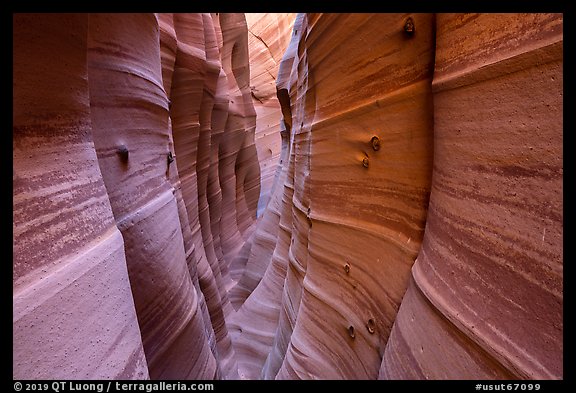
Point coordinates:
[(281, 196), (73, 310), (127, 219), (487, 284)]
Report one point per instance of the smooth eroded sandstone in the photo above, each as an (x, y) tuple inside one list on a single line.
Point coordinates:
[(268, 37), (73, 313), (488, 279), (129, 110), (282, 196)]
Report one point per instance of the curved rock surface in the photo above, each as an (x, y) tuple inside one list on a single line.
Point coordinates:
[(129, 111), (268, 37), (73, 311), (311, 196), (345, 249), (116, 216), (168, 48), (267, 41), (360, 190), (487, 284)]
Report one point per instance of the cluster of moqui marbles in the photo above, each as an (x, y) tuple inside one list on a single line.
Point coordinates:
[(420, 228)]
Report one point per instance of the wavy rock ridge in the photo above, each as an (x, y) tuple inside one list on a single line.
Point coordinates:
[(408, 193), (147, 188)]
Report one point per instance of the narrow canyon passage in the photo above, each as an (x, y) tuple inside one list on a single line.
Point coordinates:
[(287, 196)]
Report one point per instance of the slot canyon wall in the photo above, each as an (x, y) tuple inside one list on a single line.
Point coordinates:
[(287, 196), (121, 265), (268, 37)]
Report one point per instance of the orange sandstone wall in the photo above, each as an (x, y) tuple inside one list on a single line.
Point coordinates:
[(362, 127), (485, 297), (420, 229), (268, 37)]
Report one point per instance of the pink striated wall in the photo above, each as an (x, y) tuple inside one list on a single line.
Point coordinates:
[(311, 196)]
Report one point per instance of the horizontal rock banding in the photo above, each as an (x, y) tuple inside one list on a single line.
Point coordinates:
[(490, 268), (129, 107), (409, 227), (73, 313)]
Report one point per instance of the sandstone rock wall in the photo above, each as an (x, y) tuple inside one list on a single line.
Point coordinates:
[(268, 37), (73, 310), (465, 175), (129, 111), (354, 206), (265, 271), (413, 191), (136, 184), (485, 298)]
